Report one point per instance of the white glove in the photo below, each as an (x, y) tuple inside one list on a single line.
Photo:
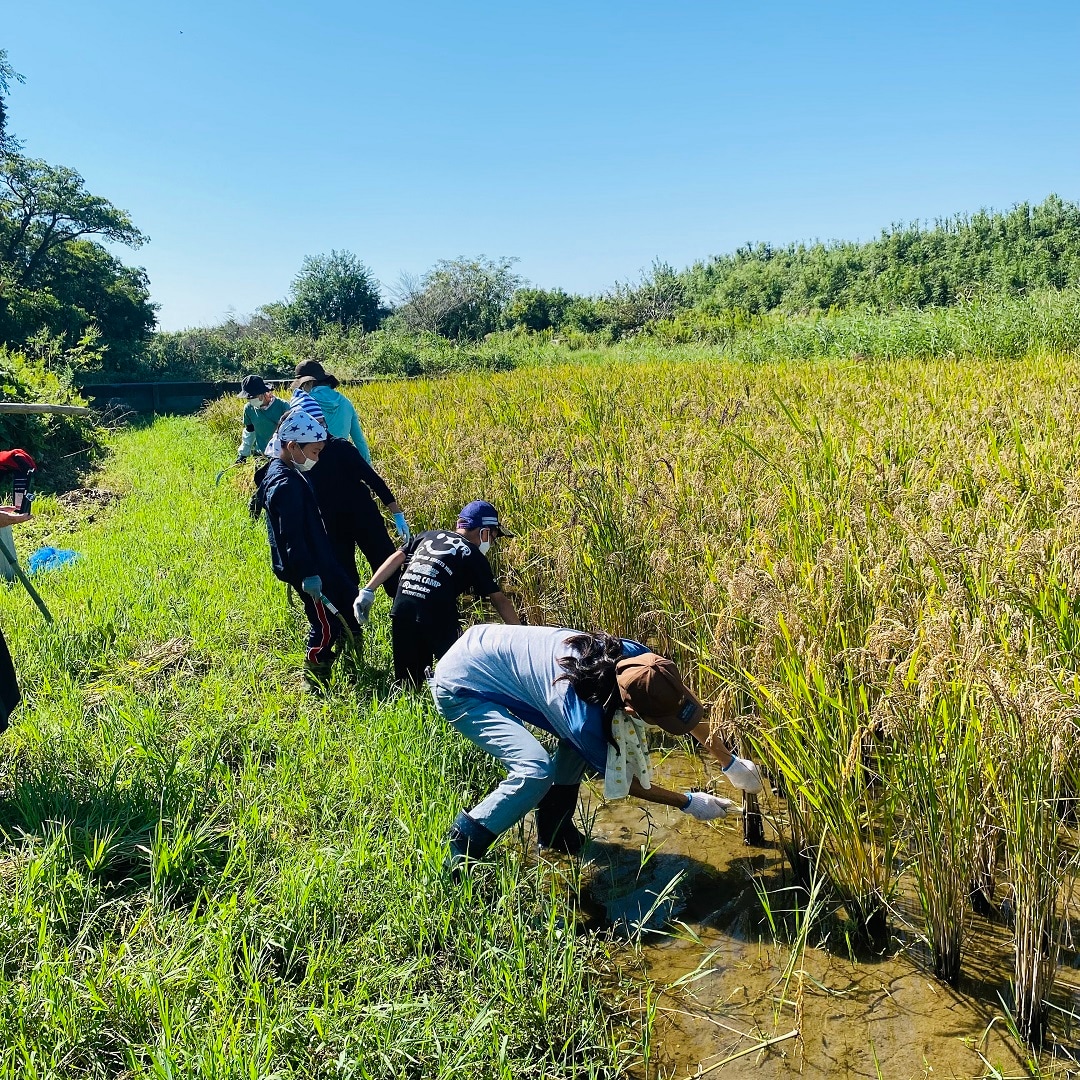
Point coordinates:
[(743, 775), (362, 606), (706, 807)]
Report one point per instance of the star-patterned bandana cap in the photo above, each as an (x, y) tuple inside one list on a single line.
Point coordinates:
[(296, 426), (300, 426)]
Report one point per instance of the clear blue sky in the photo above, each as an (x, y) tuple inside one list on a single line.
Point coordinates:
[(586, 138)]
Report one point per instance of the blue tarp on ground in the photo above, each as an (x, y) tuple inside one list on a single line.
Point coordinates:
[(50, 558)]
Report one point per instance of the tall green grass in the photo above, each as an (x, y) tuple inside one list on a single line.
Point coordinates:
[(206, 873)]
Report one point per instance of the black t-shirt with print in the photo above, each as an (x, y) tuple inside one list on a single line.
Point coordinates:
[(439, 567)]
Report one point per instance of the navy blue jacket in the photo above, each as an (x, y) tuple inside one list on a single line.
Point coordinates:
[(299, 546)]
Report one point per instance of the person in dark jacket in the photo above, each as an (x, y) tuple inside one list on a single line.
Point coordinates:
[(300, 550), (345, 487)]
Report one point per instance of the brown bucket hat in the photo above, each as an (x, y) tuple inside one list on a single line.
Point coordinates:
[(652, 686), (312, 369)]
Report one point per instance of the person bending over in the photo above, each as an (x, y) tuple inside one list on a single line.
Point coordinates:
[(345, 487), (439, 566), (594, 693)]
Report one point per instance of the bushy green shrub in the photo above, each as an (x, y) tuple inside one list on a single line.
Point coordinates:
[(537, 309), (1023, 249), (63, 446)]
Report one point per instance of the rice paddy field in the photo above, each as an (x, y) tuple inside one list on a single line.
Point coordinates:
[(872, 571)]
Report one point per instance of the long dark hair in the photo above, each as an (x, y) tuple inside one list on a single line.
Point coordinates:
[(590, 670)]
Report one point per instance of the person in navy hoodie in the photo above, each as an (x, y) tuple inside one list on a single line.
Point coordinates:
[(300, 550)]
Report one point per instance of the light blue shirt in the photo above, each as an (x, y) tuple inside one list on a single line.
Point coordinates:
[(518, 667), (341, 419)]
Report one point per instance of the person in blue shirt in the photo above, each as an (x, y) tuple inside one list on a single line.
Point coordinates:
[(496, 679), (341, 419)]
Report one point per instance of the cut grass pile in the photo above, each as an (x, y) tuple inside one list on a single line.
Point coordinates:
[(205, 873)]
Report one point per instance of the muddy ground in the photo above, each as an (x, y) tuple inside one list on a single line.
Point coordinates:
[(725, 986)]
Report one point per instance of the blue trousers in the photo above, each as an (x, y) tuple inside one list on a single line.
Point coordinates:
[(530, 769)]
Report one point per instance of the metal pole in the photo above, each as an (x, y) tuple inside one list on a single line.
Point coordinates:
[(8, 551)]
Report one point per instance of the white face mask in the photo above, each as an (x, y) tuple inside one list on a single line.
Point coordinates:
[(484, 546), (261, 405), (305, 463)]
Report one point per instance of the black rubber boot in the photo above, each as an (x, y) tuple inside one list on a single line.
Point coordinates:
[(555, 827), (317, 676), (468, 842)]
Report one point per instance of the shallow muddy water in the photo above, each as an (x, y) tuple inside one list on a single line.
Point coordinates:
[(725, 987)]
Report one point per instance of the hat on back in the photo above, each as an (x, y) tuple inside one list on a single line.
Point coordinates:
[(652, 686), (481, 515), (252, 387)]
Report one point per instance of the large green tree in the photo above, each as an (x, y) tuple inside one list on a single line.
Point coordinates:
[(54, 275), (8, 75), (335, 290), (459, 298), (43, 207)]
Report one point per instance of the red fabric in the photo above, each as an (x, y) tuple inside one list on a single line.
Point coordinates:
[(319, 636), (16, 461)]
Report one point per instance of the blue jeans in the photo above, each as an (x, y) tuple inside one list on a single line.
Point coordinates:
[(531, 770)]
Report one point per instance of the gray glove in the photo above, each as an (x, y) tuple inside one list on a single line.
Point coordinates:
[(706, 807), (362, 606)]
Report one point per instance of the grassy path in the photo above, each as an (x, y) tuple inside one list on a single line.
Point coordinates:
[(204, 873)]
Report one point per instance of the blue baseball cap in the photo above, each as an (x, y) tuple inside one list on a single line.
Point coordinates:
[(481, 515)]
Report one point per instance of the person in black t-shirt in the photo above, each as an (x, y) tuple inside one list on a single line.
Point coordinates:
[(436, 568)]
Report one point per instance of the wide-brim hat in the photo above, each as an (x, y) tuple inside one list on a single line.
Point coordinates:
[(652, 686), (312, 369)]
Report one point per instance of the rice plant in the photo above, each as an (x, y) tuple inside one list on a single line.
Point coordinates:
[(1028, 778), (844, 551), (938, 767)]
